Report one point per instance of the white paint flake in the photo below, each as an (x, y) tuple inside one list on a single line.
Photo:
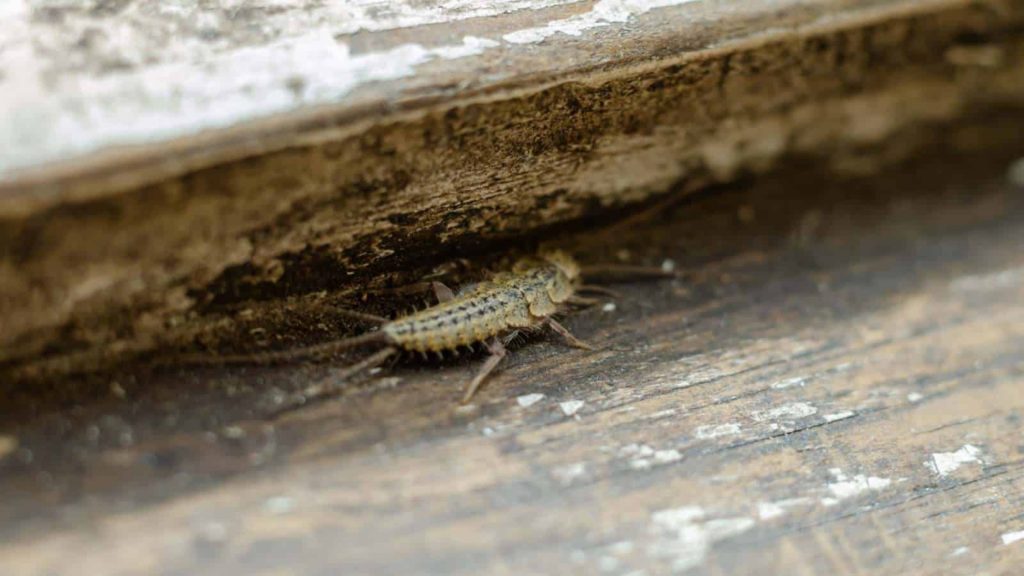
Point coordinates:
[(569, 473), (604, 13), (844, 487), (782, 385), (769, 510), (657, 457), (839, 416), (667, 456), (945, 463), (644, 457), (279, 505), (609, 307), (571, 407), (1011, 537), (527, 400), (793, 411), (914, 397), (636, 450), (683, 537), (708, 432), (959, 551)]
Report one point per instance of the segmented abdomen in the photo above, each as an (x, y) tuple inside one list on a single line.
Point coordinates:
[(468, 318)]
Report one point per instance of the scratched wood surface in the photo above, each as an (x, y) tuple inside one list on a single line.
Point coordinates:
[(835, 384)]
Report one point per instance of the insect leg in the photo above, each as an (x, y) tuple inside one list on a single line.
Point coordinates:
[(498, 352), (362, 316), (442, 292), (569, 338)]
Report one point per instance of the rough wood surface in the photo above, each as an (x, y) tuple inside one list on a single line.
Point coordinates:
[(341, 182), (836, 385)]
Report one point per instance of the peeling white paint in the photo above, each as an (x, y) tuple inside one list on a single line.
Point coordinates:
[(683, 537), (839, 416), (793, 411), (604, 13), (571, 407), (527, 400), (959, 551), (844, 488), (179, 97), (155, 71), (1011, 537), (944, 463), (709, 431), (914, 397)]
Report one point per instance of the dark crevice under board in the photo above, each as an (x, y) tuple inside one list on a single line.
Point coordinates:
[(776, 409), (344, 199)]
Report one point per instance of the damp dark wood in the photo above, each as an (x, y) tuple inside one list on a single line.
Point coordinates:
[(833, 384)]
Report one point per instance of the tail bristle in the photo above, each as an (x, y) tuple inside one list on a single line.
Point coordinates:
[(323, 349)]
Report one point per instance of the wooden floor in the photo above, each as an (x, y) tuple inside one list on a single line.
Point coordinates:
[(835, 384)]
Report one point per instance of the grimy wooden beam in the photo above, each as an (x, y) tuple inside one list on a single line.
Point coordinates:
[(157, 161)]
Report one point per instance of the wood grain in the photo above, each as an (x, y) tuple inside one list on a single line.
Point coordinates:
[(461, 156), (834, 386)]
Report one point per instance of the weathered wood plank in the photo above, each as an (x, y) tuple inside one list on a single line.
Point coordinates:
[(836, 386), (319, 187)]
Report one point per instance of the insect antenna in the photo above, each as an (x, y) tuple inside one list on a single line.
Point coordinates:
[(620, 271), (589, 288)]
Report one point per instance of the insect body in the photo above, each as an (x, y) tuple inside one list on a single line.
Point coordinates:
[(520, 300), (523, 299)]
